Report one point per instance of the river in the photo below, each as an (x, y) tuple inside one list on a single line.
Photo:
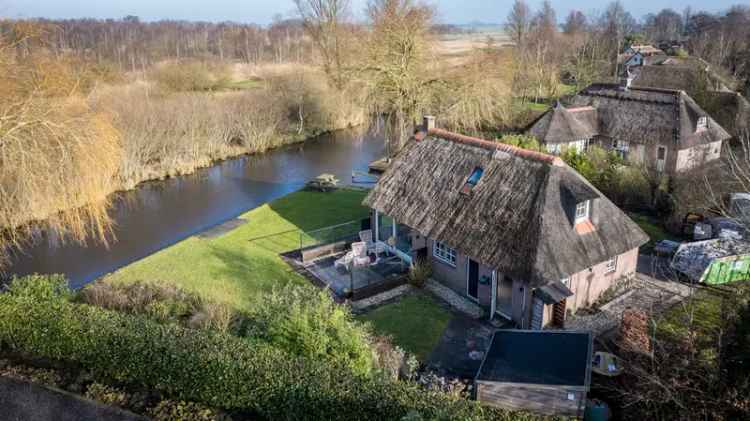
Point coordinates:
[(158, 214)]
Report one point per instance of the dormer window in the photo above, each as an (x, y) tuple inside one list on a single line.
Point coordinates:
[(582, 211), (472, 181), (702, 123)]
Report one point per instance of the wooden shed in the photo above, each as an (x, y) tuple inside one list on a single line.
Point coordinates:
[(547, 372)]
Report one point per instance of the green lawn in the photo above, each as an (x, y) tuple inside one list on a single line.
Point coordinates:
[(416, 323), (233, 269), (654, 230)]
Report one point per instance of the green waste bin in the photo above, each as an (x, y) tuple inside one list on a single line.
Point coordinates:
[(596, 410)]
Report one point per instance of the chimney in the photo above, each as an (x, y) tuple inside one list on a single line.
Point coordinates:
[(428, 123)]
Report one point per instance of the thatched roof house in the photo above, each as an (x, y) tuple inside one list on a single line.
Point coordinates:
[(646, 50), (517, 219), (645, 124)]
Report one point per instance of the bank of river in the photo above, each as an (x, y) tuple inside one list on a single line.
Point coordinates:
[(158, 214)]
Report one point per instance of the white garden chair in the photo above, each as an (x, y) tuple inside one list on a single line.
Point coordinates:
[(357, 257)]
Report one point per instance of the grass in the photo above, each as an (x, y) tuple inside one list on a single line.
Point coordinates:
[(655, 231), (415, 323), (234, 270), (704, 313)]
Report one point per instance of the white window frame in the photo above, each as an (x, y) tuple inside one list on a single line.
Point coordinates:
[(565, 281), (584, 208), (444, 253), (610, 265), (702, 123)]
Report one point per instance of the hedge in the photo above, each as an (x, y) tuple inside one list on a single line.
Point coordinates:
[(212, 368)]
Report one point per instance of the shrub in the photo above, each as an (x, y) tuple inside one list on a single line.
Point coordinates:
[(162, 302), (389, 359), (107, 395), (522, 141), (420, 272), (182, 411), (307, 322), (191, 76), (210, 368)]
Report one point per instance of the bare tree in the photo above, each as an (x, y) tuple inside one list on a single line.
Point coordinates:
[(518, 23), (575, 23), (396, 69), (327, 23)]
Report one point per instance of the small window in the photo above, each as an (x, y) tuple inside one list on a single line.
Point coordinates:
[(475, 176), (566, 281), (611, 265), (582, 211), (472, 181), (444, 253), (702, 123)]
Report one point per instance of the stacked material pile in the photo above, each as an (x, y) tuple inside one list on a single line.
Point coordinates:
[(634, 331)]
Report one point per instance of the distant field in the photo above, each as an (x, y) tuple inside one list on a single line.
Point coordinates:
[(456, 47)]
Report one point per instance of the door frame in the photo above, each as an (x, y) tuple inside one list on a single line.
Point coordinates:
[(498, 280), (468, 279), (664, 160)]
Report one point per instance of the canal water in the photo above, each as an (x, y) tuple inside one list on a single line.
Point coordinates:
[(158, 214)]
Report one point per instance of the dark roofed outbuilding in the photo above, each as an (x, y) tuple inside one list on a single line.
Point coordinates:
[(548, 372)]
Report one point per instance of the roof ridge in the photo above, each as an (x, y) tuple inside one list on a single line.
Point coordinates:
[(486, 144)]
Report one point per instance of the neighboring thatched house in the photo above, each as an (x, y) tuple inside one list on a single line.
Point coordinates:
[(681, 74), (731, 110), (645, 50), (518, 231), (662, 129)]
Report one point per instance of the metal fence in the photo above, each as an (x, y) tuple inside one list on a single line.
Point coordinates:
[(348, 231)]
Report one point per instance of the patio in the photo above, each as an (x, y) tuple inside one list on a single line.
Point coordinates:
[(387, 271)]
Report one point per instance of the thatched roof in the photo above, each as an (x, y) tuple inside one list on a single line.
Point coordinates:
[(519, 217), (560, 124), (637, 115), (646, 50), (688, 74), (665, 77)]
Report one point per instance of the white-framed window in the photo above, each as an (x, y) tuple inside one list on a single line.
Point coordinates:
[(444, 253), (611, 265), (566, 281), (621, 148), (702, 123), (582, 211)]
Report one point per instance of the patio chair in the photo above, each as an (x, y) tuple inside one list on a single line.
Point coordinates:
[(358, 256), (372, 245)]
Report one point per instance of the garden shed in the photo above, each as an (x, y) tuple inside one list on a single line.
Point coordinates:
[(547, 372), (714, 262)]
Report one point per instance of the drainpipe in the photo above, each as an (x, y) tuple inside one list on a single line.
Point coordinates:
[(493, 305)]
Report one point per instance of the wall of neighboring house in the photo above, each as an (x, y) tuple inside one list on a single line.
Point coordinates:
[(697, 155), (588, 285)]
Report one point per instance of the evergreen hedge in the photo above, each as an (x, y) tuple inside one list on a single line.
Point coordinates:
[(213, 368)]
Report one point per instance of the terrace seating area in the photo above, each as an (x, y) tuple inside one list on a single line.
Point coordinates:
[(353, 268)]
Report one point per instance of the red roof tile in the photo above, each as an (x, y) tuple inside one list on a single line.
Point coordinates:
[(486, 144)]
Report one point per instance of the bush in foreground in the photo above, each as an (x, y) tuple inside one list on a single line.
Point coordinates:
[(211, 368)]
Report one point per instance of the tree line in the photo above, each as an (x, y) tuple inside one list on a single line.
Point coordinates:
[(133, 45)]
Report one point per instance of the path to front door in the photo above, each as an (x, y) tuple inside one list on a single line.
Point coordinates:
[(461, 348)]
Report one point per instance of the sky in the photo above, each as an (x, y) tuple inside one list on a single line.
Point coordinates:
[(263, 11)]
